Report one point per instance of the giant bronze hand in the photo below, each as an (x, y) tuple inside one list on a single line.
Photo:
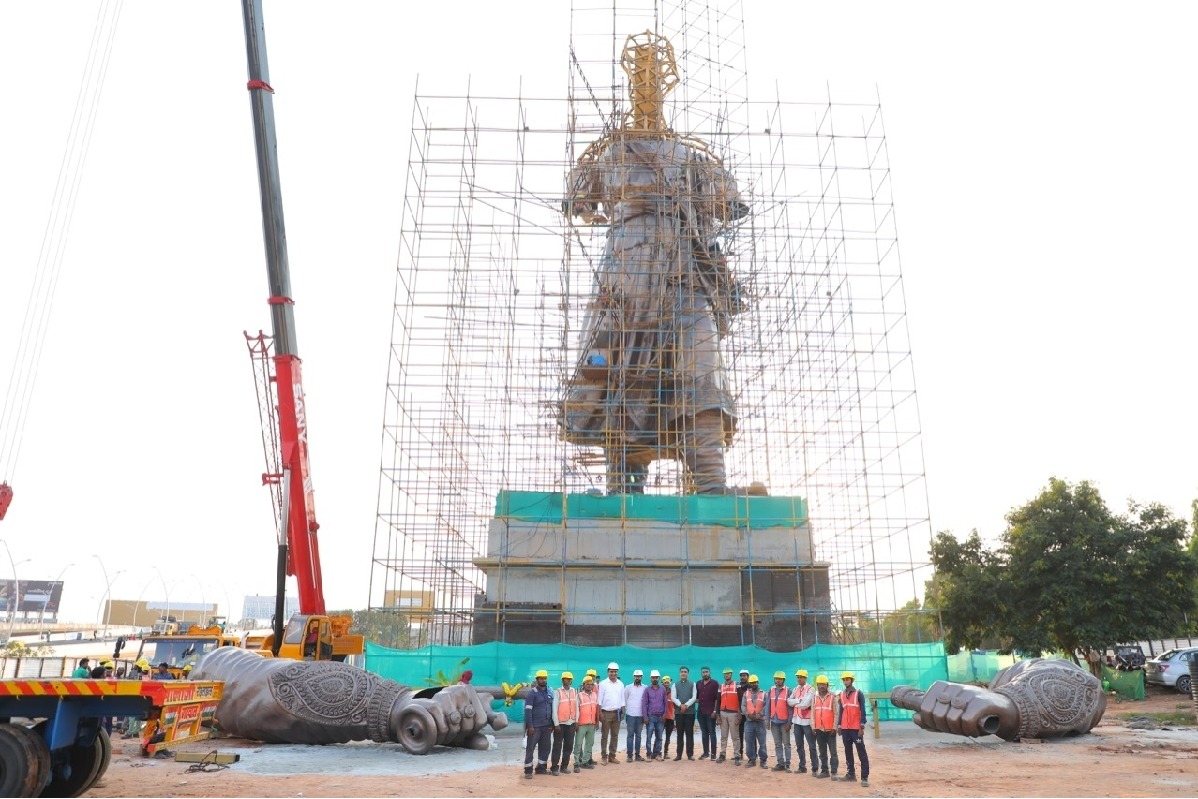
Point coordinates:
[(1032, 699), (307, 702)]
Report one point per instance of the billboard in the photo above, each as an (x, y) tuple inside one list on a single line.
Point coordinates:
[(37, 596)]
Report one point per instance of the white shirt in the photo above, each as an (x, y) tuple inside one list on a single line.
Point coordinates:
[(800, 699), (634, 696), (611, 694)]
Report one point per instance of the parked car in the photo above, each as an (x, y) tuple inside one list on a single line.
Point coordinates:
[(1172, 668)]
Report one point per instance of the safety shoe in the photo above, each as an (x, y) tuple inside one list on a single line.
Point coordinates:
[(823, 775), (577, 768), (750, 764), (704, 756), (780, 767), (721, 759), (801, 770), (736, 761), (613, 760), (763, 765), (553, 771), (678, 756), (864, 782), (849, 778), (528, 775), (639, 758)]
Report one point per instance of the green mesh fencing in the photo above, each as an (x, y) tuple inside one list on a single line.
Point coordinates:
[(1128, 684), (977, 667), (876, 667)]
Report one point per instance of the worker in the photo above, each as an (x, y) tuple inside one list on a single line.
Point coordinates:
[(667, 721), (754, 710), (187, 671), (779, 717), (707, 702), (634, 719), (163, 673), (825, 711), (588, 717), (611, 705), (565, 724), (729, 719), (800, 702), (852, 729), (133, 724), (82, 670), (653, 709), (741, 687), (538, 724), (683, 696)]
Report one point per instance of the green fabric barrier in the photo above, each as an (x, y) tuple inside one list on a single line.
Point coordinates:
[(724, 511), (877, 667), (1128, 684), (977, 666)]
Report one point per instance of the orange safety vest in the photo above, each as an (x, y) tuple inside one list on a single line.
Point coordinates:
[(669, 716), (754, 703), (850, 710), (567, 702), (778, 707), (728, 698), (799, 692), (823, 716), (588, 707)]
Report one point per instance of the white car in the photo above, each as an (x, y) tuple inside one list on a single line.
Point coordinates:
[(1172, 668)]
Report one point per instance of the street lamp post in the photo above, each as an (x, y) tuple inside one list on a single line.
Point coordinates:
[(15, 599), (107, 593), (46, 601)]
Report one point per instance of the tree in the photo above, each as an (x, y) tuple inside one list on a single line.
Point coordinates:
[(964, 589), (385, 628), (1068, 575)]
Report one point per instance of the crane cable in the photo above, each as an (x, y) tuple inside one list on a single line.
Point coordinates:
[(39, 307)]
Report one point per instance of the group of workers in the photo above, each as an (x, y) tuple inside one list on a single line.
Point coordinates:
[(562, 721)]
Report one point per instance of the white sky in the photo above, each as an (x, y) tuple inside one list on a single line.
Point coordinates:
[(1044, 173)]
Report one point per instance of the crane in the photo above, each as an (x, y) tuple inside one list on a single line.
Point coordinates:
[(320, 637)]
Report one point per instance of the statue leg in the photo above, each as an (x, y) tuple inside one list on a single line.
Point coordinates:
[(624, 475), (703, 452)]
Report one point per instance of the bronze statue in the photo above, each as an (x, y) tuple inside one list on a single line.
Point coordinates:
[(651, 383), (313, 702), (1034, 698)]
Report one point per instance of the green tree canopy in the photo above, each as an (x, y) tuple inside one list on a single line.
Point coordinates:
[(1067, 574)]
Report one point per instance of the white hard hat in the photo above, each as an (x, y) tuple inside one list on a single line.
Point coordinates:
[(638, 673), (613, 665), (654, 673), (744, 671)]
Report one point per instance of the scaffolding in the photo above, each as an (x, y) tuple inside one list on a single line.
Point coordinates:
[(499, 267)]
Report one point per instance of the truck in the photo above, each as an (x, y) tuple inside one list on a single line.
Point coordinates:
[(52, 738)]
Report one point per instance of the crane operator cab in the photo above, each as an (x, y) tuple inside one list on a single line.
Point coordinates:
[(309, 637)]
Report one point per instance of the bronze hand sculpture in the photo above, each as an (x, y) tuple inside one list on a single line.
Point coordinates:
[(311, 702), (1032, 699)]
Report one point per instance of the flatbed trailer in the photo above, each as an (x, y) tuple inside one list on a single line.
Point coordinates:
[(52, 738)]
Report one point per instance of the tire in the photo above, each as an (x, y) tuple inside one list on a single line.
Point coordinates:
[(1183, 684), (78, 767), (41, 758), (21, 772)]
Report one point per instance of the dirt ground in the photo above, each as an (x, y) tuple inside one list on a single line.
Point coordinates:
[(1122, 757)]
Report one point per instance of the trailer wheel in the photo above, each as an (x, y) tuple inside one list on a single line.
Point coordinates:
[(78, 767), (23, 769)]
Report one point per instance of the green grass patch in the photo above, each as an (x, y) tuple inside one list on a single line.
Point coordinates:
[(1181, 717)]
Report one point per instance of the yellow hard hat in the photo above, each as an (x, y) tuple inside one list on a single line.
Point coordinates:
[(107, 663), (666, 679), (848, 675), (592, 673), (567, 675), (779, 675), (588, 679), (187, 667), (752, 678), (821, 679), (727, 671), (801, 673), (542, 673), (143, 664)]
